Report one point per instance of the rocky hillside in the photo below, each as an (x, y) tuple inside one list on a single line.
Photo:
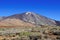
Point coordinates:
[(14, 23)]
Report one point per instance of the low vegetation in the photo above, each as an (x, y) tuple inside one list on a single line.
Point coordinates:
[(32, 33)]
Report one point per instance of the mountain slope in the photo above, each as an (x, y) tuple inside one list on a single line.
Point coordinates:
[(14, 23), (27, 19), (34, 18), (57, 23)]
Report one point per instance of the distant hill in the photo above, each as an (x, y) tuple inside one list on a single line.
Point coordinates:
[(1, 18)]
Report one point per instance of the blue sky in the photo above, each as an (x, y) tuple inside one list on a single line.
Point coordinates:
[(48, 8)]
